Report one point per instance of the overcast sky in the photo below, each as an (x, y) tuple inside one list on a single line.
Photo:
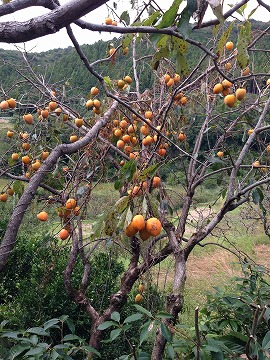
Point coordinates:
[(61, 40)]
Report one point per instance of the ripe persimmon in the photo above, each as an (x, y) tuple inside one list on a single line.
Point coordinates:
[(76, 211), (71, 203), (123, 124), (11, 103), (79, 122), (44, 113), (162, 152), (10, 191), (4, 105), (42, 216), (156, 181), (89, 104), (96, 103), (63, 234), (166, 78), (147, 140), (240, 93), (182, 136), (144, 234), (229, 100), (153, 226), (138, 222), (128, 79), (10, 133), (229, 45), (3, 197), (120, 144), (26, 146), (121, 83), (183, 100), (144, 130), (220, 154), (15, 156), (94, 91), (130, 230), (226, 84), (138, 298), (126, 138), (58, 112), (218, 88), (52, 105), (170, 82), (44, 155), (28, 119), (108, 21), (73, 138), (36, 165), (148, 114), (26, 159)]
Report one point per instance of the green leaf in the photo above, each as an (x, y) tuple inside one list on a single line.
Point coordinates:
[(165, 332), (242, 44), (115, 316), (48, 324), (169, 16), (107, 324), (149, 172), (179, 45), (143, 310), (145, 331), (192, 6), (170, 351), (217, 11), (252, 12), (115, 333), (70, 325), (91, 349), (54, 355), (161, 53), (266, 341), (18, 349), (144, 356), (35, 351), (121, 204), (126, 40), (38, 331), (183, 25), (18, 187), (70, 337), (223, 39), (163, 315), (11, 334), (132, 318), (125, 17), (181, 64), (107, 79), (110, 224)]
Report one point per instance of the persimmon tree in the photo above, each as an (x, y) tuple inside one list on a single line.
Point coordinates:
[(202, 120)]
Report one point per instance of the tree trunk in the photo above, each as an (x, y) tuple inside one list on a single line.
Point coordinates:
[(174, 302)]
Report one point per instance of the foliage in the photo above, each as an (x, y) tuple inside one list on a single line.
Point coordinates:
[(234, 321), (37, 342)]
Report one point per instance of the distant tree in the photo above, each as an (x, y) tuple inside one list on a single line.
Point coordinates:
[(202, 119)]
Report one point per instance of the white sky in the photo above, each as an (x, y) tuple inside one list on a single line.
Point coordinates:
[(61, 40)]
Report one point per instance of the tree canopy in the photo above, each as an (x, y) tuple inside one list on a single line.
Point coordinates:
[(161, 113)]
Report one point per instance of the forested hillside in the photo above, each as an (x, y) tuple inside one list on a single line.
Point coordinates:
[(63, 67)]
